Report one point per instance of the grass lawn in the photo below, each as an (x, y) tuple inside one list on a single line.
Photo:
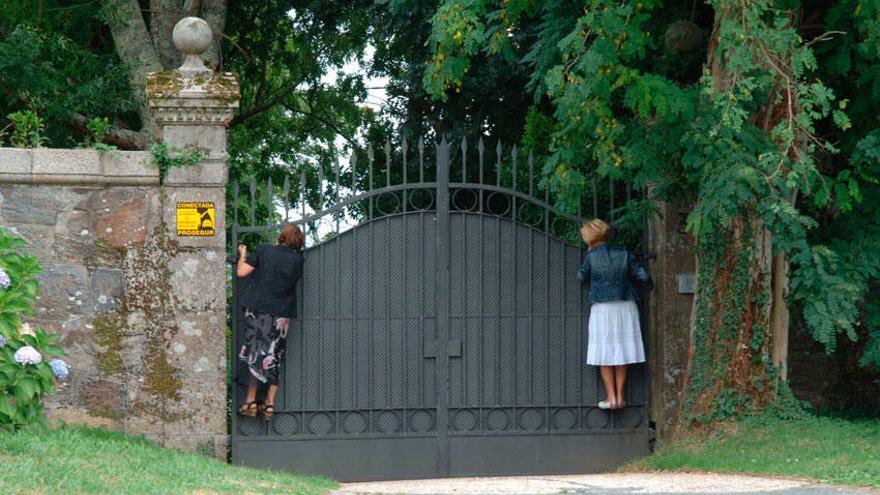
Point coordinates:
[(825, 449), (74, 460)]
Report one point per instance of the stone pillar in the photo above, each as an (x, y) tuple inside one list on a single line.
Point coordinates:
[(671, 303), (192, 107)]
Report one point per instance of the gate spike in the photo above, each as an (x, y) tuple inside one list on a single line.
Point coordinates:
[(286, 188), (464, 158), (371, 160), (595, 198), (235, 192), (302, 196), (421, 159), (269, 204), (404, 147), (481, 149), (253, 200), (514, 155), (321, 180), (498, 150), (354, 162), (387, 163), (336, 179), (531, 174)]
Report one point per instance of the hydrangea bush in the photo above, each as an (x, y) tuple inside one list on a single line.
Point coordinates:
[(28, 356)]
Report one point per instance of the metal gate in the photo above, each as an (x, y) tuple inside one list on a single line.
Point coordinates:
[(443, 334)]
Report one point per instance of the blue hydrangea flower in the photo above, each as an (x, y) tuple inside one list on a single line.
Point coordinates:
[(59, 368), (28, 355), (2, 341), (4, 279)]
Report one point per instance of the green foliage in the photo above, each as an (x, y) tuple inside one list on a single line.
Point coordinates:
[(165, 157), (84, 460), (27, 129), (827, 450), (776, 131), (22, 386), (59, 65)]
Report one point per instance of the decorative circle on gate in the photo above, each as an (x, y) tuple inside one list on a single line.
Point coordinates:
[(564, 419), (530, 214), (497, 420), (354, 422), (421, 421), (629, 417), (251, 426), (565, 229), (387, 203), (421, 199), (320, 424), (596, 418), (285, 424), (388, 422), (464, 420), (498, 204), (531, 419), (465, 200)]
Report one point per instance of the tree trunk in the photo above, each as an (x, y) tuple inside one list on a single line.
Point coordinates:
[(739, 327), (214, 11), (164, 15), (135, 48)]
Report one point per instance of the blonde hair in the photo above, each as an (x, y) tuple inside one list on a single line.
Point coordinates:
[(595, 231)]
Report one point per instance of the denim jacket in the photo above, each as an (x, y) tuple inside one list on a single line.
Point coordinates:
[(611, 271)]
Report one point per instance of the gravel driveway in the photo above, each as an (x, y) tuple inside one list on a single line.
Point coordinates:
[(606, 484)]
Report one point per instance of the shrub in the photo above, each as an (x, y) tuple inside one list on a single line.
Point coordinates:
[(28, 356)]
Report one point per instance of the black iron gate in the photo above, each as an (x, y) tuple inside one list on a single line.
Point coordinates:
[(443, 334)]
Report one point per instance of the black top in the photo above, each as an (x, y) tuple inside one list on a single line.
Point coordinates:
[(271, 288)]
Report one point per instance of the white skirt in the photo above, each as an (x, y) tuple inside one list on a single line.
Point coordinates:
[(615, 336)]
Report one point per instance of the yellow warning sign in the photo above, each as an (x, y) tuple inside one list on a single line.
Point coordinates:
[(195, 219)]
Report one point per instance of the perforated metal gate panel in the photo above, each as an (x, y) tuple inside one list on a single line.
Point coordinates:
[(443, 341)]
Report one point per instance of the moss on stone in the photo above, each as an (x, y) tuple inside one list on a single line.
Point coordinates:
[(108, 338)]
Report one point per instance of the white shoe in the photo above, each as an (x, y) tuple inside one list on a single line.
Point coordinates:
[(605, 404)]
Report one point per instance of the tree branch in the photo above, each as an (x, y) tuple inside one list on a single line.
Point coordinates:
[(123, 138), (262, 107), (135, 48)]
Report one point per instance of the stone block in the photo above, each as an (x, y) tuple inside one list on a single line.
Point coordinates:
[(207, 397), (107, 289), (130, 167), (105, 398), (210, 138), (142, 422), (16, 165), (198, 344), (30, 205), (64, 291), (198, 280), (65, 166), (120, 215), (205, 173), (74, 415)]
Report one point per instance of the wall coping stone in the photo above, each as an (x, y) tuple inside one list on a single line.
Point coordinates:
[(52, 166)]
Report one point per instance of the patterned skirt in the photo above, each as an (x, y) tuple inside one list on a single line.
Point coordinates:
[(262, 347)]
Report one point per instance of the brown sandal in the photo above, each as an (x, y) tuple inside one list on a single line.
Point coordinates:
[(267, 411), (248, 409)]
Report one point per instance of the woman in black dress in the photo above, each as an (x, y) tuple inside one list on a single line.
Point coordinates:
[(269, 302)]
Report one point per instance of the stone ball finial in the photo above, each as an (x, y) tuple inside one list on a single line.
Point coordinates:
[(192, 36)]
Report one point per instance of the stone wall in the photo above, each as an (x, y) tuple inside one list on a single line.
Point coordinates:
[(140, 313)]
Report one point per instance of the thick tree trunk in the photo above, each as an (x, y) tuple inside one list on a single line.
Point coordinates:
[(739, 327), (163, 16), (135, 48), (214, 11)]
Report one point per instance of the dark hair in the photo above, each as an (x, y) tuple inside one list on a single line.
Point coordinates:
[(291, 236)]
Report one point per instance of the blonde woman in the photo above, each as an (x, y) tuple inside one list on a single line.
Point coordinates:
[(615, 337)]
